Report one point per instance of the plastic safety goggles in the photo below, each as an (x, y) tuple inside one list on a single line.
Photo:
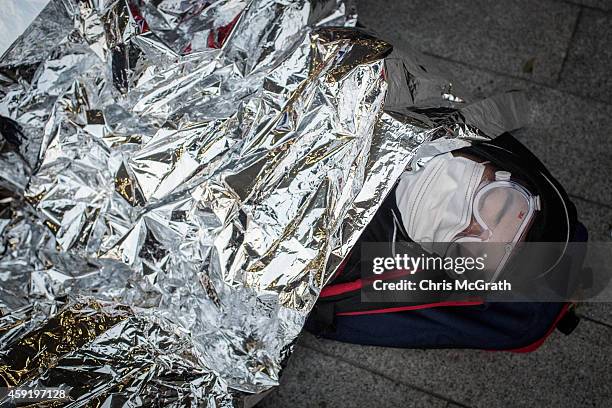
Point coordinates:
[(502, 212)]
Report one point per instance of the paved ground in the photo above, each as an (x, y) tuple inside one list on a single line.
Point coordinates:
[(560, 52)]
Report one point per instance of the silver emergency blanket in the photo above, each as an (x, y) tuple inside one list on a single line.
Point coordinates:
[(179, 179)]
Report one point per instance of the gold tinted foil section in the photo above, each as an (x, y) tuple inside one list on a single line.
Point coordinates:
[(64, 332)]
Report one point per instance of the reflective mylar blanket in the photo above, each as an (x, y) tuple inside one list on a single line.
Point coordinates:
[(178, 180)]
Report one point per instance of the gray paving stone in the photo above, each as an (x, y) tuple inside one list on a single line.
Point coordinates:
[(598, 4), (478, 82), (571, 136), (587, 69), (597, 219), (600, 312), (520, 37), (312, 379), (567, 371)]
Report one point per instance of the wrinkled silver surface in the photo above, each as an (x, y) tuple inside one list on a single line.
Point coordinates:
[(170, 209)]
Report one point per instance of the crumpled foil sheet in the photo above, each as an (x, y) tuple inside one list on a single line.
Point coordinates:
[(179, 179)]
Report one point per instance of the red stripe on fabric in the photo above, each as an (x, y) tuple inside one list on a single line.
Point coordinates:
[(413, 307), (536, 344), (340, 288)]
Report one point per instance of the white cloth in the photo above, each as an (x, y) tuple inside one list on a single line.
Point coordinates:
[(435, 203)]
